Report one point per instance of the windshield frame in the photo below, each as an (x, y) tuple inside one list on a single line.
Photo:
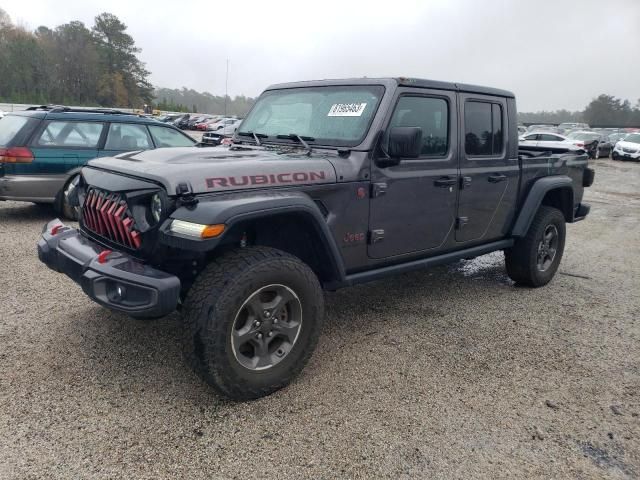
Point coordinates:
[(316, 142)]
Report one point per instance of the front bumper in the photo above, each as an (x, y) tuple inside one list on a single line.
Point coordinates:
[(626, 155), (117, 281)]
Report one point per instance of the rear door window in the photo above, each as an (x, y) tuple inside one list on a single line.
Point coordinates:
[(168, 137), (60, 133), (128, 137), (483, 128), (545, 137), (13, 128)]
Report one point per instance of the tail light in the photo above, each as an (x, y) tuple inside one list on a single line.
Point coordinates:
[(16, 155), (580, 145)]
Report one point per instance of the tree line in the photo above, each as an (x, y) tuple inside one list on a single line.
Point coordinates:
[(188, 100), (72, 64), (602, 111)]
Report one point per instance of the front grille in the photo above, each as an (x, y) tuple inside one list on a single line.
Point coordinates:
[(629, 150), (107, 214)]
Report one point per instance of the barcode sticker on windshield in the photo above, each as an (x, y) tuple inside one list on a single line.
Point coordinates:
[(346, 109)]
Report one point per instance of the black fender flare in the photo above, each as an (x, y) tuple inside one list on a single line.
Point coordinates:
[(233, 208), (534, 199)]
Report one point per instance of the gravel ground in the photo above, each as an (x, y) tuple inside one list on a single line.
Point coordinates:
[(451, 372)]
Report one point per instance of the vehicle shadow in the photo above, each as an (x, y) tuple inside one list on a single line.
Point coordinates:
[(21, 213), (147, 354)]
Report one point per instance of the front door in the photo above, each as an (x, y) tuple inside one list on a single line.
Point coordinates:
[(413, 204), (489, 178), (126, 137)]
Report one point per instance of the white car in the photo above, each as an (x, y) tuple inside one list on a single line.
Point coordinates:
[(547, 139), (222, 124), (628, 149), (2, 114), (218, 136)]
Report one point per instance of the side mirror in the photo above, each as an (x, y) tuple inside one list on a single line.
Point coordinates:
[(405, 142)]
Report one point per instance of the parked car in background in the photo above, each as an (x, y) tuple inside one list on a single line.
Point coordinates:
[(183, 122), (546, 139), (627, 148), (218, 136), (616, 137), (2, 114), (522, 130), (221, 124), (43, 149), (566, 127), (194, 120), (542, 128), (204, 126), (584, 138)]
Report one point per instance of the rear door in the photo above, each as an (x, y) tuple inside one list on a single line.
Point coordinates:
[(62, 145), (413, 204), (489, 178)]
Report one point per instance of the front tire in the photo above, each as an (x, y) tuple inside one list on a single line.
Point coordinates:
[(251, 321), (62, 202), (535, 258)]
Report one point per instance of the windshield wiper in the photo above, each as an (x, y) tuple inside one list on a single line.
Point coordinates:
[(299, 138), (256, 136)]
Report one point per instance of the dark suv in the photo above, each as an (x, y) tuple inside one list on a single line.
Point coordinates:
[(327, 184), (43, 149)]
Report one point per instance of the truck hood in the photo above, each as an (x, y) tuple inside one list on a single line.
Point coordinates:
[(220, 169)]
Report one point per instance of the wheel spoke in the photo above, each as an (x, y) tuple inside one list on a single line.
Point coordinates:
[(244, 335), (548, 236), (279, 302), (255, 306), (262, 353), (288, 329)]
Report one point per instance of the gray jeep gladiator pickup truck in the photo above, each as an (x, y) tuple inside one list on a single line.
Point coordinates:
[(327, 184)]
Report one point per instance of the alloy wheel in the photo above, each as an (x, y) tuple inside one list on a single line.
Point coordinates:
[(266, 327)]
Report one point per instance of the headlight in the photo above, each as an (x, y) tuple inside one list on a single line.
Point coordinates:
[(196, 230), (156, 207)]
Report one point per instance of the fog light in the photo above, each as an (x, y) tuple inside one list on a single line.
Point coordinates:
[(120, 293)]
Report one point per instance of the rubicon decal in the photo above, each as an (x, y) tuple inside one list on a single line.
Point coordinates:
[(269, 179)]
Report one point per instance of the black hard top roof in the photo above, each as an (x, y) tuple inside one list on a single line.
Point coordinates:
[(398, 81)]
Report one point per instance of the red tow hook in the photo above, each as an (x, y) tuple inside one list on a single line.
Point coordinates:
[(56, 228), (102, 256)]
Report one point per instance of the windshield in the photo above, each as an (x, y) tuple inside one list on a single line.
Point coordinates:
[(338, 115), (633, 138)]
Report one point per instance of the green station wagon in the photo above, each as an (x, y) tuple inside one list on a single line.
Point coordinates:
[(42, 149)]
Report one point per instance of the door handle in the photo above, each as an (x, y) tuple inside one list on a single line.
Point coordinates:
[(497, 177), (444, 182)]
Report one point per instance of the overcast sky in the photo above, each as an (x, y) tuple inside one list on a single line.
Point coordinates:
[(552, 53)]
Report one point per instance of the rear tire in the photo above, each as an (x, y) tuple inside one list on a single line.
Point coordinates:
[(251, 321), (535, 258)]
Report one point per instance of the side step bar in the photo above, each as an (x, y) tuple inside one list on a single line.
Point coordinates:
[(369, 275)]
